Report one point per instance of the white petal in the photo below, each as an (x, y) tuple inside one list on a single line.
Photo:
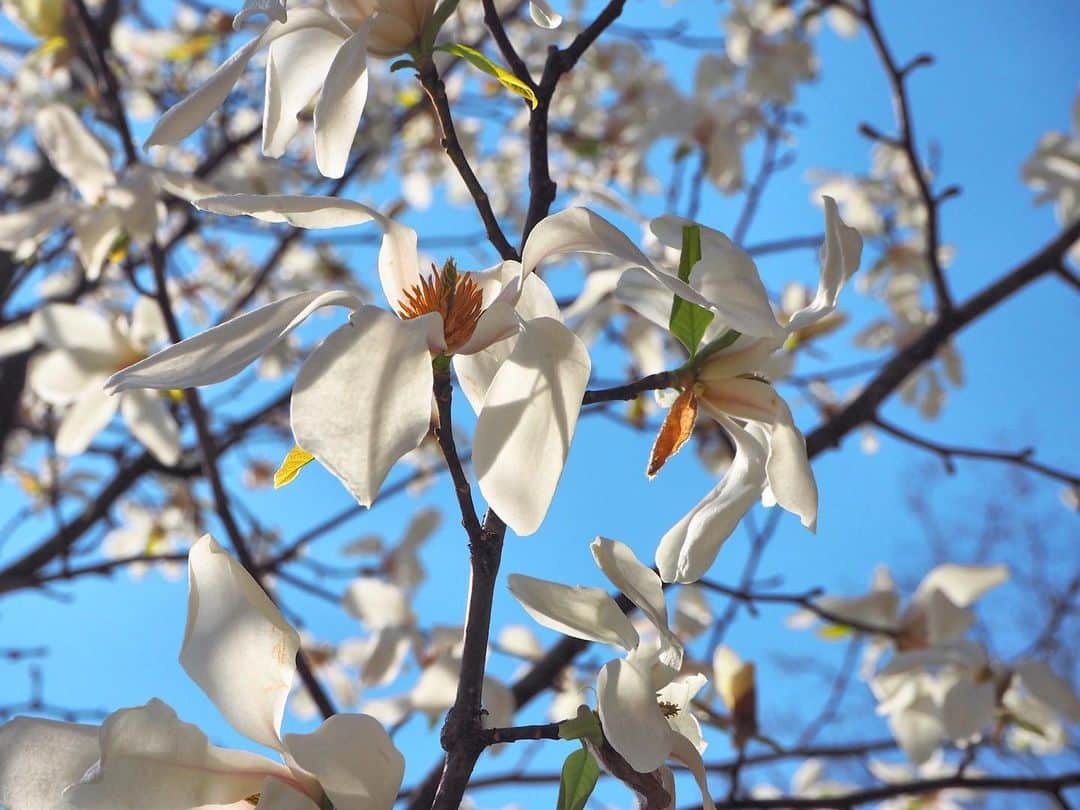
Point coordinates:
[(587, 613), (840, 259), (354, 760), (967, 708), (78, 330), (274, 9), (149, 758), (380, 366), (73, 151), (59, 377), (151, 423), (544, 15), (527, 422), (33, 223), (377, 604), (147, 323), (295, 70), (298, 210), (1050, 688), (87, 417), (684, 751), (39, 758), (790, 477), (640, 584), (689, 548), (730, 281), (631, 719), (963, 584), (237, 646), (338, 111), (16, 338), (579, 230), (278, 795), (918, 729), (95, 233), (644, 294), (188, 115), (221, 352)]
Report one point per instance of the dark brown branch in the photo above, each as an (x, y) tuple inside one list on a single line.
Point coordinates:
[(947, 453), (653, 382), (444, 432), (436, 92), (897, 77)]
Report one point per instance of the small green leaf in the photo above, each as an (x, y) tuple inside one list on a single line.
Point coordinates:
[(689, 321), (501, 74), (831, 632), (579, 775), (585, 726), (716, 344), (401, 64)]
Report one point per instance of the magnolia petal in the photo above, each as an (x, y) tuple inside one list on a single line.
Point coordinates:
[(544, 15), (381, 367), (59, 377), (298, 210), (237, 646), (918, 729), (377, 604), (39, 758), (147, 323), (840, 259), (529, 413), (962, 584), (73, 151), (689, 548), (338, 111), (1048, 687), (579, 230), (16, 338), (967, 708), (640, 584), (92, 411), (150, 758), (685, 752), (223, 351), (579, 612), (295, 70), (33, 223), (274, 9), (788, 468), (278, 795), (151, 423), (942, 619), (79, 331), (96, 231), (354, 760), (675, 431), (731, 282), (631, 719), (188, 115)]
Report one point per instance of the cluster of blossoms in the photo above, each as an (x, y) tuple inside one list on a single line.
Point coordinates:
[(362, 401)]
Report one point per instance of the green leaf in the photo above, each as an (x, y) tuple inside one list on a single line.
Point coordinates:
[(501, 74), (716, 344), (585, 726), (579, 775), (689, 321)]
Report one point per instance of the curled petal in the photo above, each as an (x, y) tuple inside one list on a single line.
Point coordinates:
[(640, 584), (790, 478), (1048, 687), (544, 15), (586, 613), (338, 111), (225, 350), (839, 260), (274, 9), (962, 584), (689, 548), (362, 399), (685, 752), (527, 422), (237, 646)]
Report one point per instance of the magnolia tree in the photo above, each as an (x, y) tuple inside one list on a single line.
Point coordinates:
[(186, 186)]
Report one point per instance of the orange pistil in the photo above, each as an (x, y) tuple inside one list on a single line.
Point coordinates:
[(453, 295)]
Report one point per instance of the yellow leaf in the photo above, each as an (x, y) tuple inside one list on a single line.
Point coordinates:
[(504, 76), (193, 48), (291, 466), (832, 632)]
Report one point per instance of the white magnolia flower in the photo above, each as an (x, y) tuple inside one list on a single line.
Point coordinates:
[(727, 383), (240, 650), (521, 368), (150, 532), (936, 767), (82, 350), (1054, 171), (643, 708), (808, 782), (107, 205), (312, 52)]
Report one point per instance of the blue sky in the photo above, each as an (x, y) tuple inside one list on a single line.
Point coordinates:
[(1005, 73)]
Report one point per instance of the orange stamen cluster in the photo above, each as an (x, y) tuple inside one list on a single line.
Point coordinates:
[(453, 295)]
